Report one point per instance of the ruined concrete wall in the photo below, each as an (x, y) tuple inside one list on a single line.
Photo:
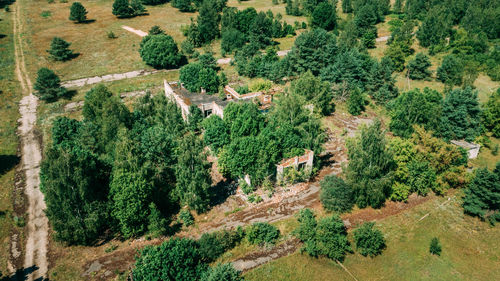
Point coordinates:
[(171, 95)]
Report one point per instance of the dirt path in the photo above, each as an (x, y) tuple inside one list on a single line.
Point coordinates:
[(382, 39), (136, 31), (35, 255)]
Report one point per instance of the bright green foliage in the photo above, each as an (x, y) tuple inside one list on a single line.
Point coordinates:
[(482, 196), (59, 50), (186, 217), (262, 233), (450, 71), (192, 174), (131, 196), (315, 91), (173, 260), (421, 177), (328, 237), (418, 68), (157, 223), (206, 27), (491, 114), (160, 51), (415, 107), (336, 195), (404, 152), (371, 165), (196, 76), (461, 115), (77, 12), (356, 102), (435, 247), (214, 244), (48, 85), (324, 16), (369, 241), (222, 272), (244, 119), (216, 134), (74, 183)]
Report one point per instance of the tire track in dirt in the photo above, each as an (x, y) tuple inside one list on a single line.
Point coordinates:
[(35, 252)]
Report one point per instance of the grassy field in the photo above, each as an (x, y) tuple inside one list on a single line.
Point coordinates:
[(98, 54), (470, 250), (10, 94)]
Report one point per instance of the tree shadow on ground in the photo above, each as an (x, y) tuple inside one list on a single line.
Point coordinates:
[(87, 21), (326, 160), (221, 191), (2, 36), (69, 94), (22, 274), (7, 162)]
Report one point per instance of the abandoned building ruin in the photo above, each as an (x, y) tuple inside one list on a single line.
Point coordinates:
[(303, 162), (471, 148), (211, 104)]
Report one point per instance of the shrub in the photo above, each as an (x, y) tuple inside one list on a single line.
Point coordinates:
[(435, 247), (111, 35), (222, 272), (260, 85), (186, 217), (246, 188), (369, 241), (213, 245), (336, 195), (262, 233), (356, 102), (160, 51), (253, 198)]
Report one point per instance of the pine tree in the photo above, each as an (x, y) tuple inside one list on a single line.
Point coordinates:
[(77, 12), (121, 9), (356, 102), (137, 7), (482, 196), (324, 16), (59, 50), (461, 115), (418, 68), (48, 85), (398, 6)]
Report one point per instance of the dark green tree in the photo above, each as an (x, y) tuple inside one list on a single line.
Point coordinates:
[(160, 51), (418, 68), (398, 6), (65, 129), (184, 5), (324, 16), (192, 174), (369, 241), (48, 85), (195, 118), (336, 195), (461, 115), (482, 196), (347, 6), (421, 177), (156, 30), (397, 55), (77, 12), (451, 71), (121, 9), (59, 50), (371, 165), (175, 259), (435, 27), (435, 247), (75, 185), (154, 2), (208, 21), (137, 7), (262, 233)]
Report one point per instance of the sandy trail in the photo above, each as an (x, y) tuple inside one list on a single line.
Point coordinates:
[(136, 31), (37, 225)]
